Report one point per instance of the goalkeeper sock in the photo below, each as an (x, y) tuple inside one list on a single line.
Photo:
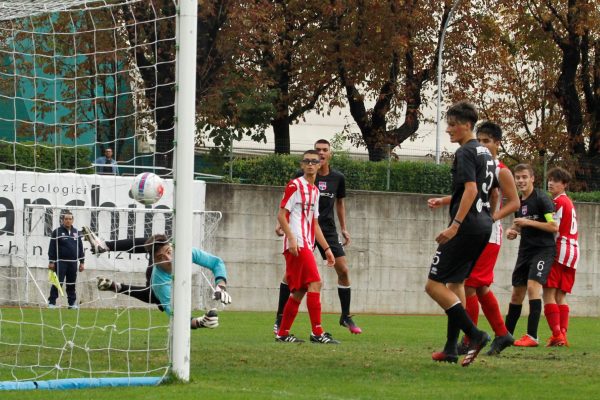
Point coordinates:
[(313, 303), (514, 312), (344, 292), (552, 313), (491, 310), (284, 295), (289, 314)]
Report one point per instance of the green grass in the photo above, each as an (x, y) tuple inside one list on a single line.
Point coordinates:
[(240, 360)]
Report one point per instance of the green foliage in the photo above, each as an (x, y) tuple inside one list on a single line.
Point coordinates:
[(405, 176), (43, 158), (271, 170), (585, 197)]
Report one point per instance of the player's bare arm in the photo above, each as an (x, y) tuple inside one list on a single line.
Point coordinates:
[(548, 226), (438, 202), (340, 207), (509, 189), (323, 243), (278, 229), (285, 226), (466, 201)]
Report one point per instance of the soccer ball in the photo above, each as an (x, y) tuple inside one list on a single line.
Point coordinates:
[(147, 188)]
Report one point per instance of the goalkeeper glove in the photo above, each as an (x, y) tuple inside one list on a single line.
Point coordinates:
[(222, 295), (208, 320)]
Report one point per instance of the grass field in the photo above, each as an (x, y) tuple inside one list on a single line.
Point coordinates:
[(240, 360)]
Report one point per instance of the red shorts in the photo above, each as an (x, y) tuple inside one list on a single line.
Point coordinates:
[(561, 277), (482, 273), (301, 270)]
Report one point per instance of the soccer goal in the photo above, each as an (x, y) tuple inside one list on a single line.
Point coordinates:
[(89, 98)]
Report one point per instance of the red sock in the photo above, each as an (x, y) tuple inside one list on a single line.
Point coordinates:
[(564, 317), (472, 308), (313, 303), (491, 310), (552, 313), (289, 315)]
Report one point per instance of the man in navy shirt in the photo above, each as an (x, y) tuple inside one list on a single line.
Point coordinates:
[(64, 254)]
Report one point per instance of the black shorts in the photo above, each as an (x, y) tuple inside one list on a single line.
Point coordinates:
[(333, 240), (454, 260), (534, 264)]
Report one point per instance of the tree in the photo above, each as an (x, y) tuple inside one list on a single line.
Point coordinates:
[(387, 52), (536, 70)]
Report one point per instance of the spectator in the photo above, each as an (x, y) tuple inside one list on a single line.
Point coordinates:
[(107, 164)]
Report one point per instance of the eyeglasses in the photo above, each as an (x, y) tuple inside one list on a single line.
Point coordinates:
[(311, 161)]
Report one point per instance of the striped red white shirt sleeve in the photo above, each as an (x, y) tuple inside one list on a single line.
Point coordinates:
[(567, 245), (301, 199)]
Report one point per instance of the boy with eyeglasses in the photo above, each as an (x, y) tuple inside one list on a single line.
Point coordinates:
[(298, 217)]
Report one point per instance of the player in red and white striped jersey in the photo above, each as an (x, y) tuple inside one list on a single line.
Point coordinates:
[(477, 285), (298, 217), (562, 275)]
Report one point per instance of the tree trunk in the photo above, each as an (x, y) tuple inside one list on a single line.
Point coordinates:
[(281, 132)]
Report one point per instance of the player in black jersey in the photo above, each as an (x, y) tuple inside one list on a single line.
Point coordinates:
[(462, 242), (534, 221), (332, 188)]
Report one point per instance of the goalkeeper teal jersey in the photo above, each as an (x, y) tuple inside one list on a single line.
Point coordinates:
[(162, 282)]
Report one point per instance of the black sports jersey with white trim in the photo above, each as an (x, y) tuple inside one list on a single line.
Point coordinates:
[(534, 207), (473, 163), (331, 187)]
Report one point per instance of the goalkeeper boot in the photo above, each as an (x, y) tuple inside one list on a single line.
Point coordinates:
[(346, 320), (106, 284), (500, 343), (324, 338), (98, 245), (209, 320), (288, 339), (442, 356), (475, 347)]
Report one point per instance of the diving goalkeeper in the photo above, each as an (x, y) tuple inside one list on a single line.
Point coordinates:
[(160, 294)]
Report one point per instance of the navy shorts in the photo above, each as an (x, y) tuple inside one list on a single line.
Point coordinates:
[(454, 260), (333, 240), (534, 264)]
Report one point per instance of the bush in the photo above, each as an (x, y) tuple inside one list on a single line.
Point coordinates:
[(405, 176), (585, 197), (29, 156)]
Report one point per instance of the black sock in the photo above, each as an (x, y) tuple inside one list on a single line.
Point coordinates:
[(452, 333), (535, 310), (345, 294), (284, 294), (514, 313), (457, 316)]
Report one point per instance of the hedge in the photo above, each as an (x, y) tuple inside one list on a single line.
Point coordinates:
[(405, 176), (29, 156)]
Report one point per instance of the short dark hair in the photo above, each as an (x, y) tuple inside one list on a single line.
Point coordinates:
[(489, 128), (311, 151), (323, 141), (525, 167), (559, 174), (63, 213), (463, 111), (155, 243)]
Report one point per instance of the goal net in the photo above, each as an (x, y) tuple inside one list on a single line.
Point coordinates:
[(88, 100)]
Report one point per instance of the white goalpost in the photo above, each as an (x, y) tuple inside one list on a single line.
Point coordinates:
[(79, 78)]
